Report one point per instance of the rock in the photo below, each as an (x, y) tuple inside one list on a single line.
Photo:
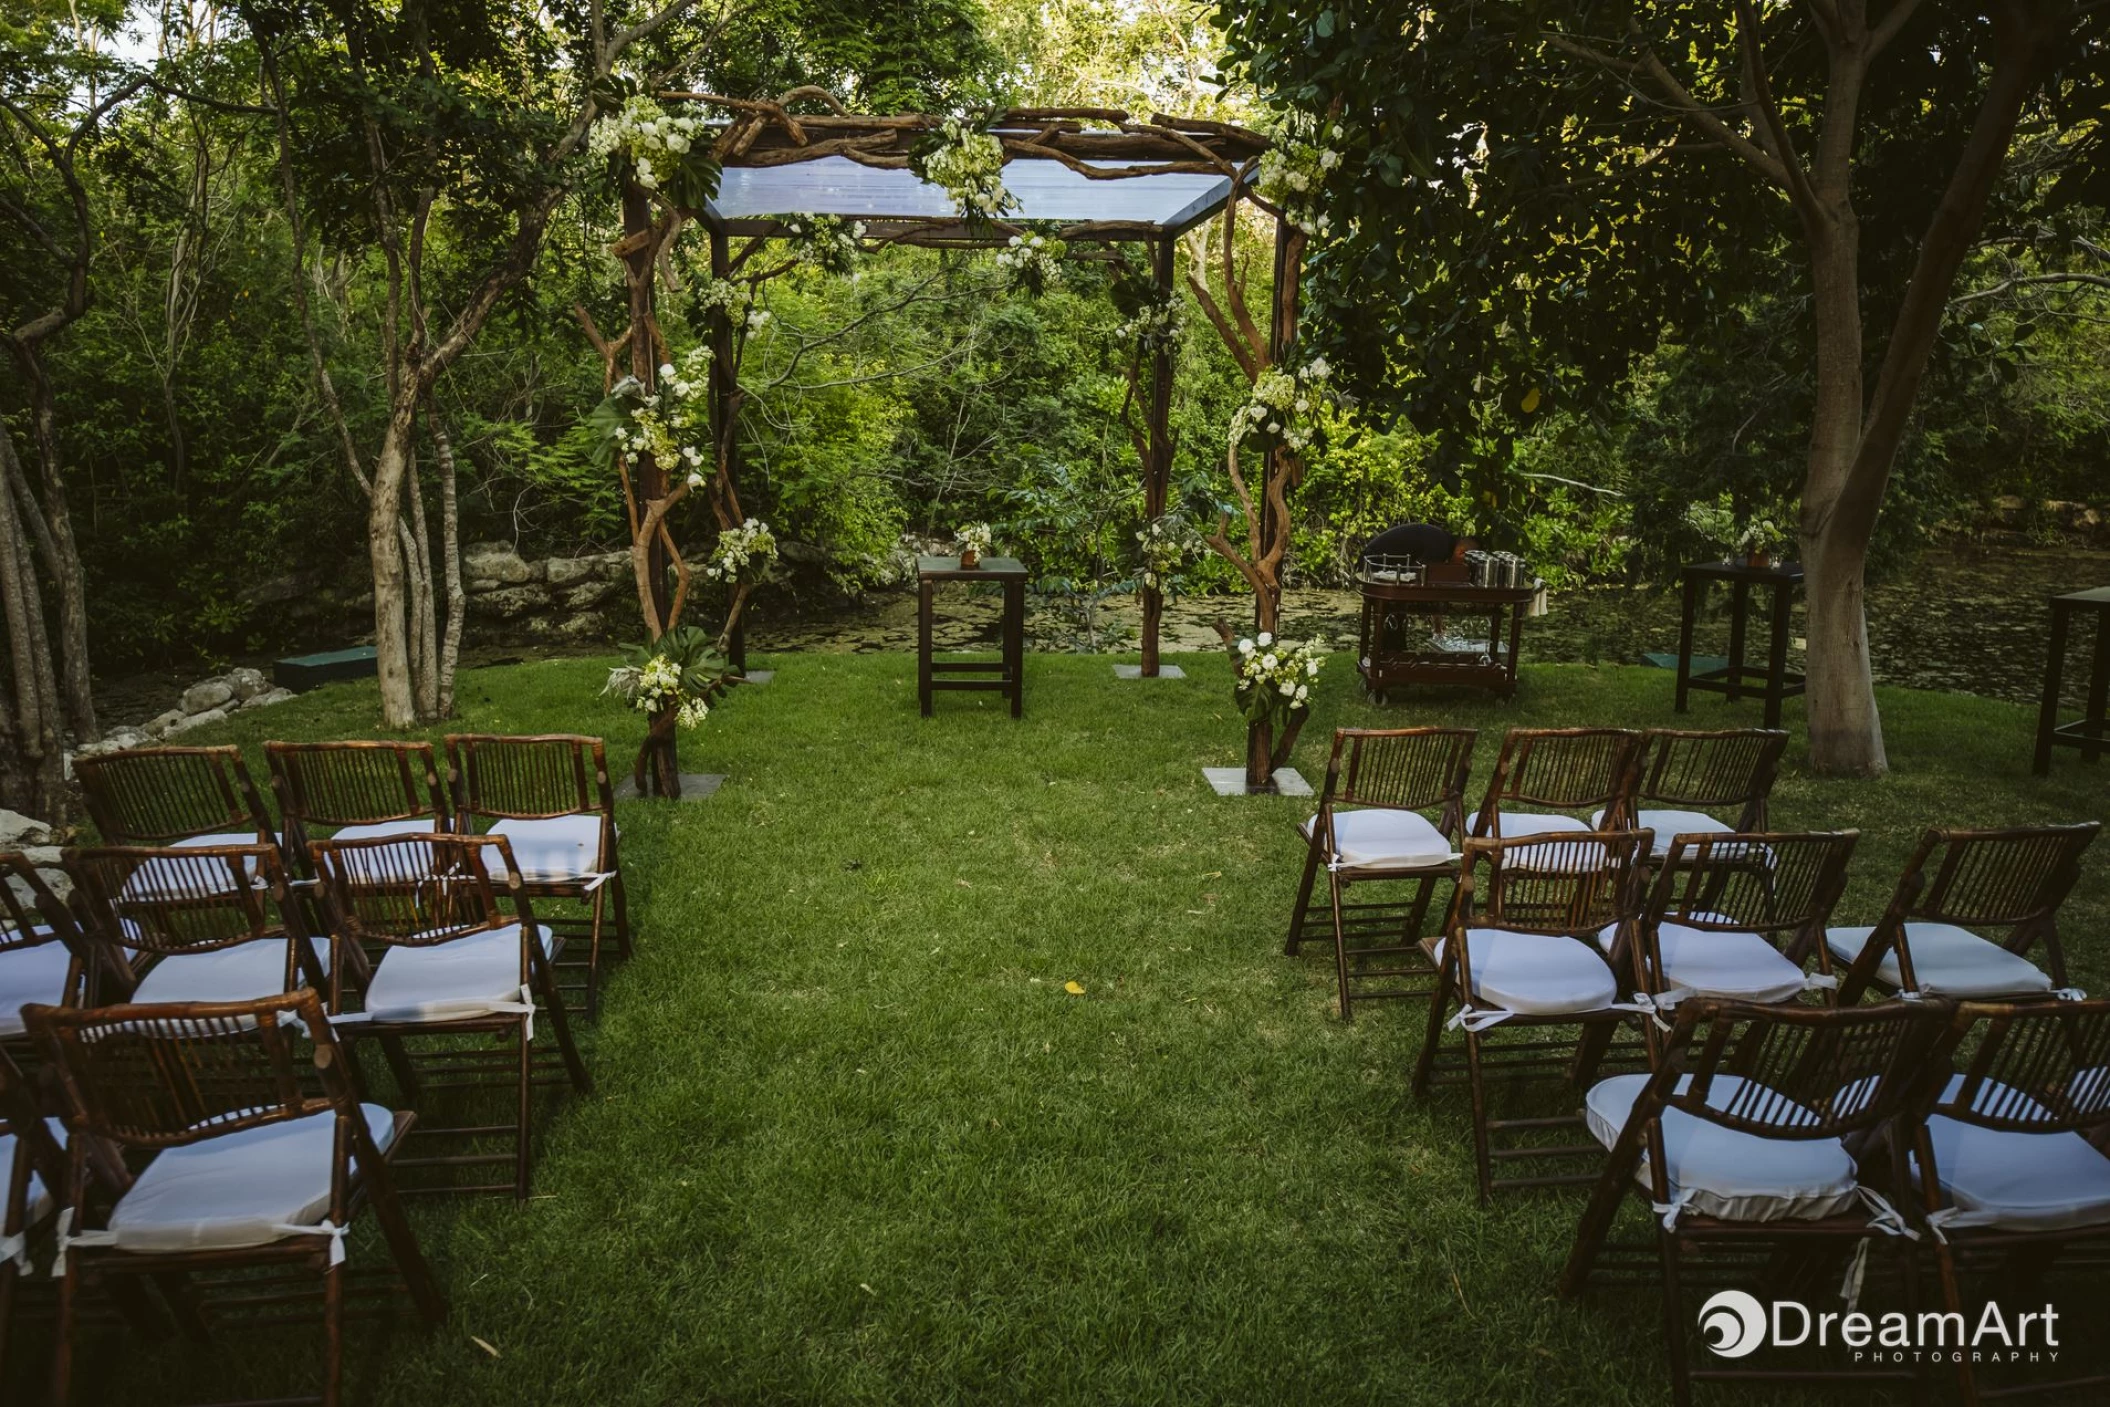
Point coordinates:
[(247, 683), (567, 571), (589, 595), (199, 720), (269, 697), (162, 722), (510, 601), (488, 565), (806, 552), (120, 739), (18, 831), (206, 695), (582, 627)]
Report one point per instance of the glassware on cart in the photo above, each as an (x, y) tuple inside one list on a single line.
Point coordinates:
[(1404, 571)]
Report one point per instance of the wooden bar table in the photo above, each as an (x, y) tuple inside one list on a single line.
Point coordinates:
[(2091, 731), (1738, 678), (1386, 665), (1010, 668)]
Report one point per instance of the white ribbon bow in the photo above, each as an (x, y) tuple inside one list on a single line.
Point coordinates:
[(67, 1240), (325, 1227), (16, 1248)]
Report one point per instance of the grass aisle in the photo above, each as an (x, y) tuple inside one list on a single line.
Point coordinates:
[(855, 1141)]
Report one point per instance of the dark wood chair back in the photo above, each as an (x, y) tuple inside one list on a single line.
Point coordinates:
[(353, 784), (1688, 770), (416, 892), (1562, 769), (1572, 883), (495, 777), (160, 795), (2036, 1067), (33, 916), (1405, 769), (1805, 1072), (2013, 879), (1783, 885), (142, 903)]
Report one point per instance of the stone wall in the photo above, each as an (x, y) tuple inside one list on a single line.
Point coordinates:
[(570, 600), (207, 701)]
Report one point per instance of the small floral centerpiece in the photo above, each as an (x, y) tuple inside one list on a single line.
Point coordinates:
[(1033, 260), (969, 164), (1755, 539), (662, 151), (743, 554), (1274, 683), (1284, 404), (974, 542), (675, 677), (1303, 154), (829, 243), (1165, 544), (671, 424)]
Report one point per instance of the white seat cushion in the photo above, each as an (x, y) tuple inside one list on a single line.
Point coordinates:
[(1726, 1173), (1383, 838), (1669, 824), (2017, 1181), (242, 1189), (242, 972), (1522, 823), (1714, 962), (31, 975), (156, 876), (551, 851), (451, 981), (1949, 961), (40, 1199), (1538, 974), (376, 830)]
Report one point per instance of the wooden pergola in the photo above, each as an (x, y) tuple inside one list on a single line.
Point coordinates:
[(1094, 176)]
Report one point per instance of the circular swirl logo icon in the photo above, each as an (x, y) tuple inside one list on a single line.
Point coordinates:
[(1733, 1323)]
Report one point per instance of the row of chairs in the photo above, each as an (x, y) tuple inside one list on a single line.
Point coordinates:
[(1706, 943), (192, 1011)]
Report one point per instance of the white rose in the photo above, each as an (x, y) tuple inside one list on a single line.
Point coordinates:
[(1268, 662), (1289, 690), (1265, 637)]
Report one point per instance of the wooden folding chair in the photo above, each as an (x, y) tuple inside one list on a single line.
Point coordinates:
[(1543, 773), (354, 791), (173, 796), (196, 924), (1959, 881), (1520, 949), (32, 1171), (1387, 777), (1689, 782), (1734, 917), (261, 1152), (40, 949), (454, 963), (1760, 1132), (550, 797), (2009, 1178)]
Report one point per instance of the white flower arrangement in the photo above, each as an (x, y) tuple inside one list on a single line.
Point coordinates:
[(1158, 323), (655, 685), (1295, 168), (969, 164), (1283, 404), (1034, 261), (743, 554), (1166, 544), (671, 424), (825, 242), (1275, 678), (659, 146), (975, 538)]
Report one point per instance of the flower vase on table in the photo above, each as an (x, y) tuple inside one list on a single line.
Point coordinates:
[(973, 543)]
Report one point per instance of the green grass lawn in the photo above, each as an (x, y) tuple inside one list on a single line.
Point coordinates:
[(853, 1141)]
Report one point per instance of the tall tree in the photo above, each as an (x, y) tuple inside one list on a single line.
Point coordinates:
[(1536, 194)]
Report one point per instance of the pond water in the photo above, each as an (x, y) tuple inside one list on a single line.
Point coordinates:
[(1964, 619)]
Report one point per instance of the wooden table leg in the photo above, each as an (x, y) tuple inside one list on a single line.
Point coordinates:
[(923, 591), (1015, 644), (2048, 710), (1777, 652), (2098, 688), (1516, 644), (1739, 615), (1692, 593)]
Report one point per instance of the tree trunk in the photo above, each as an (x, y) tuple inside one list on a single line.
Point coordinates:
[(384, 551), (451, 564), (425, 643), (1259, 754), (65, 566), (36, 776)]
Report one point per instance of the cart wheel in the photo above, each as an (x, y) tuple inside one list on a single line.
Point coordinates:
[(1378, 697)]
